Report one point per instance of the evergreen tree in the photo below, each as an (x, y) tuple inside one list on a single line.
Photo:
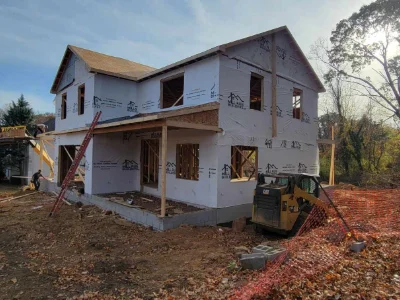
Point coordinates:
[(19, 113)]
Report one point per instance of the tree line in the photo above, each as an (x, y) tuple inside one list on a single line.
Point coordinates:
[(360, 65)]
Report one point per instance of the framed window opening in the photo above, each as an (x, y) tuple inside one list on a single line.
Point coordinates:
[(297, 102), (81, 99), (150, 161), (244, 162), (256, 92), (172, 89), (64, 106), (187, 161)]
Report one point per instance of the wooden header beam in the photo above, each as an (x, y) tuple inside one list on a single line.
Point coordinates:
[(187, 125), (130, 127)]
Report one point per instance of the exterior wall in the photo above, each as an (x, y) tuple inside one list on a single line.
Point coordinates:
[(295, 149), (200, 86), (115, 166), (111, 151), (114, 97), (73, 120)]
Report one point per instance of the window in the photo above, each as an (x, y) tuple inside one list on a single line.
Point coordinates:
[(244, 162), (187, 161), (81, 100), (256, 91), (172, 91), (149, 161), (64, 106), (296, 102)]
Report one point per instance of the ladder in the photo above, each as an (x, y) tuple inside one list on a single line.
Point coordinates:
[(75, 164)]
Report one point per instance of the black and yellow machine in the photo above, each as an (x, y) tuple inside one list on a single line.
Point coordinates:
[(283, 201)]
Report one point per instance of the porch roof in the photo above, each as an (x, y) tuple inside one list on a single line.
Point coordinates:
[(201, 117)]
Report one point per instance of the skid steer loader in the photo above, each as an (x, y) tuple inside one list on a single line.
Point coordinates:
[(282, 202)]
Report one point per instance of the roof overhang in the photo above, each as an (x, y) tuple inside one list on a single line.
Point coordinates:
[(201, 117)]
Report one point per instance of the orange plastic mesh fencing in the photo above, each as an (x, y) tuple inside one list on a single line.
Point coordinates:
[(324, 237)]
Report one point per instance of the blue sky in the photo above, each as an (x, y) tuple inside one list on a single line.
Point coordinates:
[(35, 33)]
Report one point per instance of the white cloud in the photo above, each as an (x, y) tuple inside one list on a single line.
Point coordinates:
[(38, 104)]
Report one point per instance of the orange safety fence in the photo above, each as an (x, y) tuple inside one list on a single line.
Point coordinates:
[(324, 238)]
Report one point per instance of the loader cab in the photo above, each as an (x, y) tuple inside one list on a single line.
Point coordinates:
[(275, 206)]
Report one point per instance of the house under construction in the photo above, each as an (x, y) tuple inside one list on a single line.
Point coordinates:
[(197, 131)]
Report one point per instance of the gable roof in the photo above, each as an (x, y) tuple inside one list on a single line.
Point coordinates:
[(119, 67), (101, 63)]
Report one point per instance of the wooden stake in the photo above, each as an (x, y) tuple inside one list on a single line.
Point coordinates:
[(13, 198), (163, 169), (273, 89), (332, 168)]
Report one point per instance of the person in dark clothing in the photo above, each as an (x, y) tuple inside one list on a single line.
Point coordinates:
[(35, 179)]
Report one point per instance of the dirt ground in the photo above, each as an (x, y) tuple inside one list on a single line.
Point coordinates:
[(87, 254)]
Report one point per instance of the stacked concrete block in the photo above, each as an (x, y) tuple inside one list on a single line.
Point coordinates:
[(252, 261), (260, 254)]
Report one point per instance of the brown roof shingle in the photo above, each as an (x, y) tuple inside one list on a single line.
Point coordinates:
[(104, 64), (107, 64)]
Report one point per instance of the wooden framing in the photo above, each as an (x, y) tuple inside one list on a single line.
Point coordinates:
[(297, 103), (163, 81), (261, 78), (72, 160), (41, 154), (273, 89), (332, 168), (188, 125), (239, 158), (187, 161), (149, 161), (130, 127), (163, 169), (81, 99), (63, 106)]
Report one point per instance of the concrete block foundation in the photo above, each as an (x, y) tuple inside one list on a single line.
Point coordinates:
[(206, 217)]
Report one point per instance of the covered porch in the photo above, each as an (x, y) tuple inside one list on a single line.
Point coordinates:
[(136, 149)]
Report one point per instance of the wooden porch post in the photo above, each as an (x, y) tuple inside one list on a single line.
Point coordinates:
[(163, 169), (273, 89)]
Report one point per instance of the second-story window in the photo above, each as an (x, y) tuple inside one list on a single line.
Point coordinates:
[(297, 103), (256, 92), (64, 106), (172, 91), (81, 99)]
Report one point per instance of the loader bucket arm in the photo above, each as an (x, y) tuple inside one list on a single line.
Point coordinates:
[(298, 192)]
